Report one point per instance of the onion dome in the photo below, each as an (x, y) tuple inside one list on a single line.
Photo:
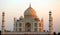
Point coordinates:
[(30, 11)]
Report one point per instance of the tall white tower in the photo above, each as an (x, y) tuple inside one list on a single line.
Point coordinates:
[(14, 24), (50, 23), (42, 24), (3, 22)]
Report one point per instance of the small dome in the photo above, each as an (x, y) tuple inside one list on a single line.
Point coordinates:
[(30, 11), (37, 19), (21, 18)]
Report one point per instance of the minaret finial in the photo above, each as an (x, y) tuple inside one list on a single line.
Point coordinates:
[(50, 12)]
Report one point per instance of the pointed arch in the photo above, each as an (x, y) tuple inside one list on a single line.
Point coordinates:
[(28, 27)]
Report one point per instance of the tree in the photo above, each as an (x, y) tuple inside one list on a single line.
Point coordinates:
[(0, 32), (54, 33), (59, 33)]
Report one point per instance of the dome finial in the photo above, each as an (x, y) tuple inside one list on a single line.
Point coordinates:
[(30, 5)]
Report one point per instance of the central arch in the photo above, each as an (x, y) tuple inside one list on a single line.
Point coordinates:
[(28, 27)]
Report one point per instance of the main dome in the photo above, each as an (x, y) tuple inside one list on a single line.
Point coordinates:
[(30, 12)]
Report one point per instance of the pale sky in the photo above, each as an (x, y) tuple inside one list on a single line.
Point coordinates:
[(16, 8)]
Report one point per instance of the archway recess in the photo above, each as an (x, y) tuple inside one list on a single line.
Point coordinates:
[(28, 27)]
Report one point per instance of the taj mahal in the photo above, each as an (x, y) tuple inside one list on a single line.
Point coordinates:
[(30, 24)]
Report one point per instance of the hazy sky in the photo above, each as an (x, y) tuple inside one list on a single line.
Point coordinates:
[(16, 8)]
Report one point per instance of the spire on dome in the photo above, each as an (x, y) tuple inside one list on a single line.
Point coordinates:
[(30, 5)]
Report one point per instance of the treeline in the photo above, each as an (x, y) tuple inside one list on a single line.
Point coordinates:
[(0, 32), (56, 33), (53, 33)]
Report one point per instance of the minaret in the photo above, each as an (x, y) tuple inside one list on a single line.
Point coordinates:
[(14, 24), (42, 24), (50, 23), (3, 22)]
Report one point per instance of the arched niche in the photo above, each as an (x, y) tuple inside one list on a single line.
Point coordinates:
[(27, 27)]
